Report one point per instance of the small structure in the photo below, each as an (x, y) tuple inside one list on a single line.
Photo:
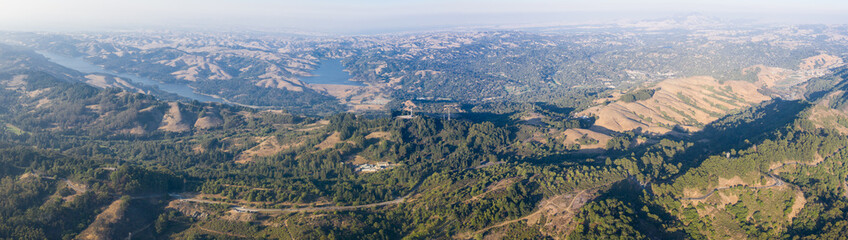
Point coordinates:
[(374, 167), (244, 210)]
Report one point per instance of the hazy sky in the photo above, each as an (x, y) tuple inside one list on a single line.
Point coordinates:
[(360, 16)]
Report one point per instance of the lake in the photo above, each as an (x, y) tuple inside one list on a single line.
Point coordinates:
[(79, 64), (330, 71)]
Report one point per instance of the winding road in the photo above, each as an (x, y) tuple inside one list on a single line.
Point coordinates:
[(222, 233), (306, 209), (79, 188), (285, 210), (582, 197), (327, 208), (778, 181)]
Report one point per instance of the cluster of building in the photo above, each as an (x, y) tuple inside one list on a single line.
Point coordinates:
[(373, 167)]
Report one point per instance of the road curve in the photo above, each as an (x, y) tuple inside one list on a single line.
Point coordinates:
[(777, 182), (283, 210), (306, 209)]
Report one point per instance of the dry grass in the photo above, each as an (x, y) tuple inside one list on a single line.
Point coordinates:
[(233, 215), (769, 76), (821, 61), (571, 136), (101, 227), (276, 82), (360, 98), (559, 212), (330, 141), (734, 181), (27, 175), (823, 116), (691, 192), (173, 119), (358, 160), (336, 90), (725, 199), (797, 205), (502, 184), (678, 102), (314, 126), (208, 122), (268, 146), (380, 135)]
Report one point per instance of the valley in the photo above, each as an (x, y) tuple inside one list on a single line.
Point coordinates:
[(640, 130), (126, 80)]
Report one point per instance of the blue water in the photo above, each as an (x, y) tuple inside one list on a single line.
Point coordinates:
[(330, 71), (79, 64)]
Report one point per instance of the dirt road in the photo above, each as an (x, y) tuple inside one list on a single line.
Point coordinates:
[(777, 181)]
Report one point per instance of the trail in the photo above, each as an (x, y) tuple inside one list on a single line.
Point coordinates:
[(129, 236), (155, 195), (82, 188), (222, 233), (288, 229), (315, 209), (306, 209), (569, 209), (770, 173), (79, 188), (580, 198)]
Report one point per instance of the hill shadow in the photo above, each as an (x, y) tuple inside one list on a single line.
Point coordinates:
[(737, 131), (629, 193), (554, 108)]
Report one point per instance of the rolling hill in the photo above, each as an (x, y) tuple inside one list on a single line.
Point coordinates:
[(687, 104)]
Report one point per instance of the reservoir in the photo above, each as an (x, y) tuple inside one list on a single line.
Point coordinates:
[(79, 64), (330, 71)]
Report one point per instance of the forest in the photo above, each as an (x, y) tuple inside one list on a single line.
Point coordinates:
[(78, 161), (465, 177)]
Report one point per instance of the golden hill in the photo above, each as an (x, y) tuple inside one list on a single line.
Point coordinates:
[(689, 103), (824, 116)]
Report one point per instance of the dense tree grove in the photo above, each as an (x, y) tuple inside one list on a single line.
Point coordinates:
[(637, 95)]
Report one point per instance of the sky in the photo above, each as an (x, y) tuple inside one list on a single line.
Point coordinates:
[(378, 16)]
